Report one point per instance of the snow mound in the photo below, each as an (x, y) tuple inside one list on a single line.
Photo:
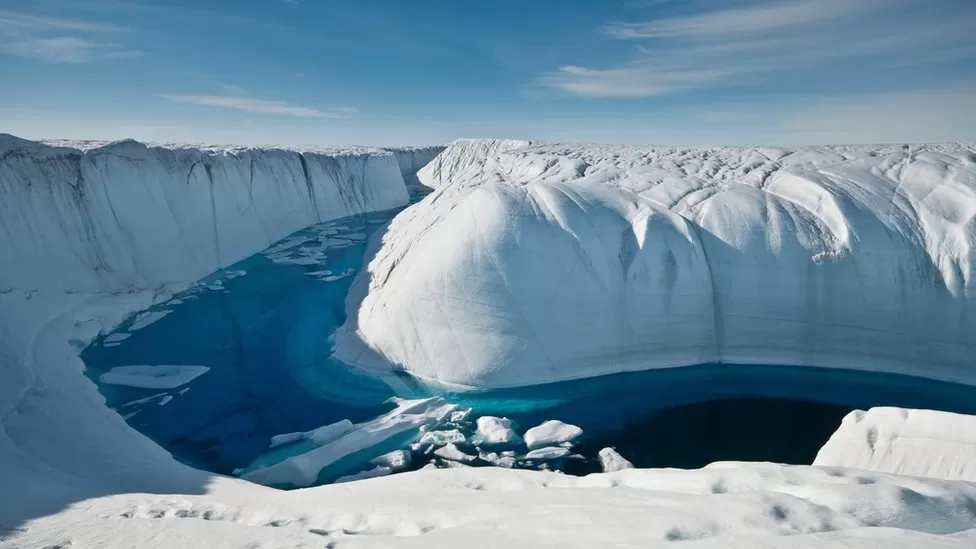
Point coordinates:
[(922, 443), (537, 263), (153, 377)]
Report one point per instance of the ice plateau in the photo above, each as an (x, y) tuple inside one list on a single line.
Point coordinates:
[(96, 232), (538, 263)]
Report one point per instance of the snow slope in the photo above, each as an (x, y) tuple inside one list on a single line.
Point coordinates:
[(923, 443), (537, 263), (120, 215)]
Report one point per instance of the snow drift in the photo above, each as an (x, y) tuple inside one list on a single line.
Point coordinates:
[(532, 264)]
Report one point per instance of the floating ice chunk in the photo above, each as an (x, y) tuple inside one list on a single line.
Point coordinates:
[(153, 377), (324, 272), (287, 438), (116, 337), (545, 454), (550, 433), (611, 461), (296, 260), (497, 460), (319, 435), (231, 275), (375, 472), (328, 433), (165, 400), (442, 438), (397, 460), (460, 415), (495, 431), (143, 400), (110, 345), (149, 317), (304, 469), (452, 453)]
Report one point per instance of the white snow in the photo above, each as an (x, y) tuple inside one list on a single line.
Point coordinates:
[(304, 469), (153, 377), (538, 263), (551, 433), (923, 443), (375, 472), (611, 461), (495, 431)]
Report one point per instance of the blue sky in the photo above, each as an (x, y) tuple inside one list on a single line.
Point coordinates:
[(386, 72)]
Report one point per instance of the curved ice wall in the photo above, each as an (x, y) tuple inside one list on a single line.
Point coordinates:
[(126, 215), (532, 264), (88, 234)]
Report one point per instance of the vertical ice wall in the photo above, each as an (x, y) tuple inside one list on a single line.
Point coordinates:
[(127, 215)]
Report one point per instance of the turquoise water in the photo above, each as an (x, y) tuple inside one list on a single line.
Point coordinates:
[(262, 326)]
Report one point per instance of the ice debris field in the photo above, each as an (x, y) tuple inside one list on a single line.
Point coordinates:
[(535, 345)]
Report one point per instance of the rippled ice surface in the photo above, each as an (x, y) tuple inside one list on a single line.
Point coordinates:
[(259, 333)]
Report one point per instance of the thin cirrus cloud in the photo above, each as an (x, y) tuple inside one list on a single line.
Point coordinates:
[(714, 47), (59, 40), (280, 108)]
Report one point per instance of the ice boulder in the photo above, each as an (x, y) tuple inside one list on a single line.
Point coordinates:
[(612, 461), (495, 431), (551, 433), (923, 443)]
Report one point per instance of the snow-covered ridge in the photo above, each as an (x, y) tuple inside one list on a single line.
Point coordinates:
[(923, 443), (537, 263), (107, 216)]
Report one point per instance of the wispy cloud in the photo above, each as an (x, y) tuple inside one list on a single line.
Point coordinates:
[(713, 47), (261, 106), (59, 40), (748, 20)]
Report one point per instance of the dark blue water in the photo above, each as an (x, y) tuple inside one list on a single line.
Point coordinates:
[(262, 326), (264, 336)]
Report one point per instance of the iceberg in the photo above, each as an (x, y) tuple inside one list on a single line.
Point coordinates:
[(536, 263)]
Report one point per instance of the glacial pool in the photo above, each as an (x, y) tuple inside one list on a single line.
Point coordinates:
[(256, 339)]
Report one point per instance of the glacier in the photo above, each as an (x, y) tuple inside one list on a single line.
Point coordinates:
[(80, 476), (535, 263)]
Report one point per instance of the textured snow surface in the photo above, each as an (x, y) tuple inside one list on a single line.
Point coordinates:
[(105, 217), (906, 442), (536, 263)]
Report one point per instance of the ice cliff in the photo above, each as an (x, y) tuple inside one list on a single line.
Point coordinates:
[(95, 216), (537, 263)]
